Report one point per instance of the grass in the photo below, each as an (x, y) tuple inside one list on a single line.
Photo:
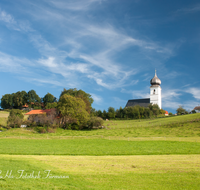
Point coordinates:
[(95, 147), (161, 153), (177, 126), (107, 172)]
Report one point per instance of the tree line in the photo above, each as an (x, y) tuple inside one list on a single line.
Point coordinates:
[(136, 112), (21, 98), (72, 110)]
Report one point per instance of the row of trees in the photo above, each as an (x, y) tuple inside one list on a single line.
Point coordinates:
[(136, 112), (19, 99), (72, 112)]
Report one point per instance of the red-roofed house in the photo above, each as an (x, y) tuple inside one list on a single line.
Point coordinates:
[(35, 115), (166, 113)]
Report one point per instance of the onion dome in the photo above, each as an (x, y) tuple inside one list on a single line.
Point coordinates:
[(155, 80)]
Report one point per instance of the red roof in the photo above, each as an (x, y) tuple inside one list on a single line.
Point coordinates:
[(166, 113), (32, 112)]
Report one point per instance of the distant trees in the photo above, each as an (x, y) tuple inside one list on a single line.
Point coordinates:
[(48, 98), (180, 111), (7, 101), (135, 112)]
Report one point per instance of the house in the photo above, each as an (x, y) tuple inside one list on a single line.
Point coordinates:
[(197, 109), (166, 113), (36, 115)]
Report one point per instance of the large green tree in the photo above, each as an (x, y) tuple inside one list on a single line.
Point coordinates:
[(73, 111), (32, 97), (19, 99), (80, 94), (49, 98), (7, 101)]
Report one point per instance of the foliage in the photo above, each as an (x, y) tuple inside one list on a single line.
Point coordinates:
[(49, 98), (7, 101), (193, 111), (111, 113), (32, 97), (181, 111), (19, 99), (51, 105), (15, 118), (73, 112), (170, 113), (95, 122), (16, 112), (80, 94)]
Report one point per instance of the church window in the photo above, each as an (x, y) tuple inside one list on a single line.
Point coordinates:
[(154, 91)]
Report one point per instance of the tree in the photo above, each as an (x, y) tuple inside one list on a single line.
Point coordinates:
[(19, 99), (15, 118), (99, 113), (73, 112), (181, 111), (32, 97), (111, 113), (49, 98), (155, 109), (51, 105), (119, 113), (80, 94), (7, 101)]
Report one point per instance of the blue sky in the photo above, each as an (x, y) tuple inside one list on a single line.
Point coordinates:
[(108, 48)]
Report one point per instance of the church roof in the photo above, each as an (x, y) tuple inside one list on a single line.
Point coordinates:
[(141, 102), (155, 81)]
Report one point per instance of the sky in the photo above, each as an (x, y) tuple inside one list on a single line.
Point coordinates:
[(108, 48)]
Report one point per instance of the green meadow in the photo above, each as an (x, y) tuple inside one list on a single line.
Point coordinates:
[(159, 153)]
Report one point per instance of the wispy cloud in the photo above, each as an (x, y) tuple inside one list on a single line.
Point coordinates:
[(195, 92), (77, 5), (6, 17), (23, 26), (191, 9), (97, 99), (86, 47)]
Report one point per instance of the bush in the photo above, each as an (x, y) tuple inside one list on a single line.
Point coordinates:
[(95, 122), (15, 119), (40, 129), (50, 130)]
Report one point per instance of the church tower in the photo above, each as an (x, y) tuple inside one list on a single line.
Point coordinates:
[(155, 91)]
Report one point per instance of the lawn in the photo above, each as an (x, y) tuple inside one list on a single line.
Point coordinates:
[(101, 172), (96, 147), (161, 153)]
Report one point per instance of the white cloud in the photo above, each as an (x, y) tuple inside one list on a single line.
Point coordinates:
[(6, 17), (170, 94), (97, 99), (195, 92)]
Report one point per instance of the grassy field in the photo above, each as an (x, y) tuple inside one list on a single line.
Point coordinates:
[(162, 153), (101, 172)]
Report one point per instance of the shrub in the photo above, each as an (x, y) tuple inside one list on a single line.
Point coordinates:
[(50, 130), (15, 119), (95, 122), (40, 129)]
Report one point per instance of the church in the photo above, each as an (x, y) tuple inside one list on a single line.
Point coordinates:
[(155, 95)]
